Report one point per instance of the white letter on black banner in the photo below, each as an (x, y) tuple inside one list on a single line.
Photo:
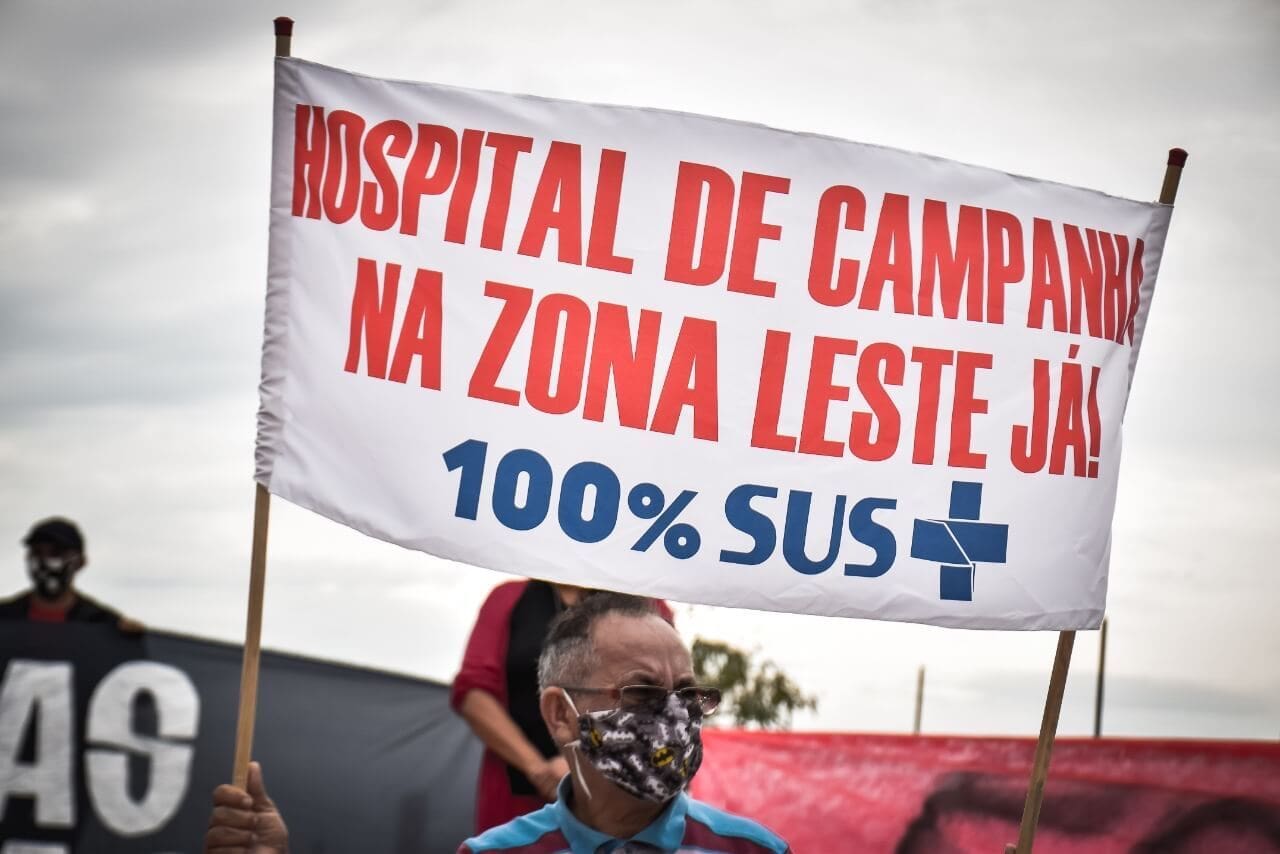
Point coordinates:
[(48, 780), (110, 714)]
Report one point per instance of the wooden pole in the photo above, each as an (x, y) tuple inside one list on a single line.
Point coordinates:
[(284, 36), (257, 573), (1044, 745), (1102, 679), (252, 638), (915, 726), (1172, 175), (1062, 659)]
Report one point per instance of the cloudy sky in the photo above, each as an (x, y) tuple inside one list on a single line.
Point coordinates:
[(134, 160)]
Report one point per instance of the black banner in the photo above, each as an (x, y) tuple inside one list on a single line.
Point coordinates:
[(112, 743)]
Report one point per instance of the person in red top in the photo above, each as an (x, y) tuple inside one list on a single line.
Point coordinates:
[(496, 692), (55, 554)]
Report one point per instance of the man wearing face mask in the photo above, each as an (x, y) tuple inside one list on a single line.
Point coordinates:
[(619, 698), (55, 553)]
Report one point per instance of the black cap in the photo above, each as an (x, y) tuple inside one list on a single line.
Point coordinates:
[(58, 532)]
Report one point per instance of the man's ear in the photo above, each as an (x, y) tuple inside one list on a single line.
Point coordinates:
[(556, 714)]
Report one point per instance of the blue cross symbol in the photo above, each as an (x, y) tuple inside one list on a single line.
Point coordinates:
[(960, 542)]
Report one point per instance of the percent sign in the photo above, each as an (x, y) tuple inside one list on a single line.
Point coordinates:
[(647, 501)]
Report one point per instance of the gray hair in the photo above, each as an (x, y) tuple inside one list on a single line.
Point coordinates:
[(568, 653)]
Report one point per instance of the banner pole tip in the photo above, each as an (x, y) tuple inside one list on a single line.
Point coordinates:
[(284, 27), (1177, 156)]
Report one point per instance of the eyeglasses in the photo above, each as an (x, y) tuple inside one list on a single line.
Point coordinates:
[(653, 698)]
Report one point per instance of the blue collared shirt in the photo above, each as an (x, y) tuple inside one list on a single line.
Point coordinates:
[(685, 825)]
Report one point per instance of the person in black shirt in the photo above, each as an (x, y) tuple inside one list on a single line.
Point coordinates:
[(55, 555)]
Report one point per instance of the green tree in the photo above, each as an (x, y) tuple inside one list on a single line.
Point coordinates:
[(754, 692)]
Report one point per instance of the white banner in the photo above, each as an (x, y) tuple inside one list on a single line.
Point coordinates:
[(695, 358)]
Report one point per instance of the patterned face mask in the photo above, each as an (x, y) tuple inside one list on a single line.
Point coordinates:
[(51, 576), (652, 755)]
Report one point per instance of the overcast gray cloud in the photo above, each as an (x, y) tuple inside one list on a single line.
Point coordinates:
[(134, 148)]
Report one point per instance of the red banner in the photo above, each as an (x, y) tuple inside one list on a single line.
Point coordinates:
[(947, 795)]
